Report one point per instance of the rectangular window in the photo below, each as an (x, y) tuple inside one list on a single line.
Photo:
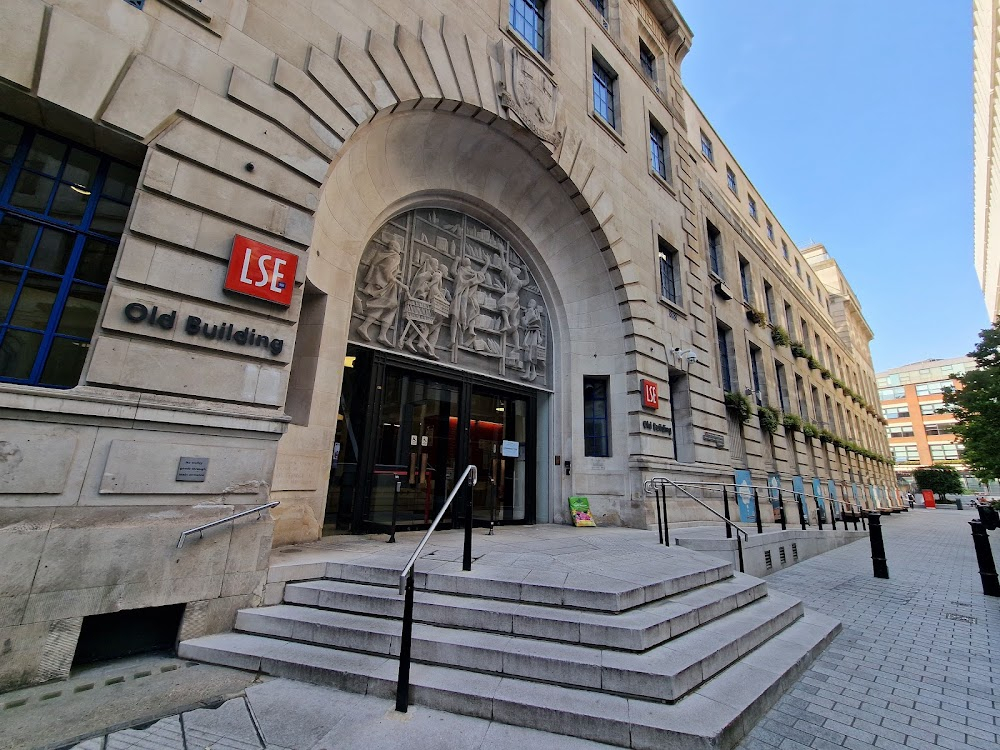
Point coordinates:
[(798, 268), (819, 350), (706, 147), (731, 180), (817, 413), (946, 452), (601, 7), (928, 389), (596, 438), (940, 428), (809, 282), (757, 375), (770, 230), (669, 287), (887, 394), (829, 413), (657, 150), (899, 430), (527, 17), (905, 454), (927, 409), (829, 358), (136, 3), (769, 303), (805, 332), (784, 249), (779, 372), (746, 281), (800, 395), (725, 359), (895, 412), (604, 93), (62, 213), (789, 320), (752, 206), (648, 61), (714, 249)]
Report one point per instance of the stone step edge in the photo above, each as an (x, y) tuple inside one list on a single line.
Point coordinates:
[(626, 677), (627, 597), (715, 716), (632, 637)]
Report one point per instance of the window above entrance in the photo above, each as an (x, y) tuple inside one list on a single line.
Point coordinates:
[(442, 285)]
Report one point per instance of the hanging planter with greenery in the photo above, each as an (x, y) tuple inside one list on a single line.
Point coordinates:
[(769, 418), (798, 350), (780, 336), (825, 373), (826, 436), (810, 430), (792, 423), (812, 362), (740, 405), (838, 383), (757, 317)]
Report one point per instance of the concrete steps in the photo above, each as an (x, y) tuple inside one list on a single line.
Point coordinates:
[(686, 657)]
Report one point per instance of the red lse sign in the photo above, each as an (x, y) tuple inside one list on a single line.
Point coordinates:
[(650, 394), (261, 271)]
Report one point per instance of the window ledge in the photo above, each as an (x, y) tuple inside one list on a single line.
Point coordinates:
[(708, 161), (673, 306), (608, 129), (665, 183), (525, 46)]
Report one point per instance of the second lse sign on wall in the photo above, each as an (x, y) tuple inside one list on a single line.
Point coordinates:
[(650, 394), (261, 271)]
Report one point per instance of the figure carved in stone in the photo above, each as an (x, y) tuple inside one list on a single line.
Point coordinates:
[(382, 289), (531, 321), (465, 304), (509, 304), (426, 309)]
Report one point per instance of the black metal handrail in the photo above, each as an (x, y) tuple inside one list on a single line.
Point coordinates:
[(406, 582), (200, 529)]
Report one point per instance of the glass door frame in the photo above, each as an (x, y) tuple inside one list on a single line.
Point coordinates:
[(465, 382)]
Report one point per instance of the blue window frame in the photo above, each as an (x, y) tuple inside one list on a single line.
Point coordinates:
[(657, 152), (604, 93), (601, 7), (62, 212), (528, 19), (725, 362), (136, 3), (648, 61), (596, 440), (731, 179)]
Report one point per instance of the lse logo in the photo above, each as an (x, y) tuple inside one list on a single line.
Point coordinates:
[(650, 394), (261, 271)]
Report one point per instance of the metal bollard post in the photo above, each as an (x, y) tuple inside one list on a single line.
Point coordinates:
[(666, 522), (984, 555), (781, 512), (725, 511), (819, 514), (879, 565), (395, 505), (802, 515), (756, 508), (659, 517)]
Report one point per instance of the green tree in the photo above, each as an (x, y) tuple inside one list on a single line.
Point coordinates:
[(939, 479), (976, 407)]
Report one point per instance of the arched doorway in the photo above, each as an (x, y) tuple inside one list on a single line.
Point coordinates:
[(450, 351)]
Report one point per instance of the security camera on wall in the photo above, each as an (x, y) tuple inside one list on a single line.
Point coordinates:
[(691, 357)]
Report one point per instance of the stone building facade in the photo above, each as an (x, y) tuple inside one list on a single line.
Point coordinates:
[(506, 219)]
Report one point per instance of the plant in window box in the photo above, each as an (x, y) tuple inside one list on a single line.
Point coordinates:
[(780, 336), (740, 405), (839, 442), (838, 383), (825, 373), (757, 317), (812, 362), (792, 423), (825, 436), (810, 430), (769, 418), (798, 350)]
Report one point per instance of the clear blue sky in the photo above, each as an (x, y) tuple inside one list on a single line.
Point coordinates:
[(854, 121)]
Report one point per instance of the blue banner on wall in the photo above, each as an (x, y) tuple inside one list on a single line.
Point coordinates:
[(799, 489), (874, 495), (744, 496), (820, 502), (854, 489), (774, 493), (833, 498)]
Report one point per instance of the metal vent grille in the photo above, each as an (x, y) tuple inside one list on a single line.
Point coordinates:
[(781, 555), (767, 559), (795, 552)]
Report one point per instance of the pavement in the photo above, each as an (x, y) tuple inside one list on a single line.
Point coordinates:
[(912, 668)]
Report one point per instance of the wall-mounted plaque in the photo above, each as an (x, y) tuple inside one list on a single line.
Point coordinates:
[(191, 469)]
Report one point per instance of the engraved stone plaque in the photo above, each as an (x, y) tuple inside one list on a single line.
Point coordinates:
[(191, 469)]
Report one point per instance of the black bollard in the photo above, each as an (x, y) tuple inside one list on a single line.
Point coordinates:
[(659, 513), (819, 514), (756, 510), (984, 555), (781, 512), (395, 505), (879, 565), (802, 516), (725, 512)]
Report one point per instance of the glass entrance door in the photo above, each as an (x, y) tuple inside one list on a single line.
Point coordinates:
[(415, 450), (499, 447)]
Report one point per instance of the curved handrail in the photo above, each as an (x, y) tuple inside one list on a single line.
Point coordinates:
[(447, 504), (649, 484), (200, 529)]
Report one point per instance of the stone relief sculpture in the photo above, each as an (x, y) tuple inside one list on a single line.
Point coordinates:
[(535, 98), (432, 268)]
